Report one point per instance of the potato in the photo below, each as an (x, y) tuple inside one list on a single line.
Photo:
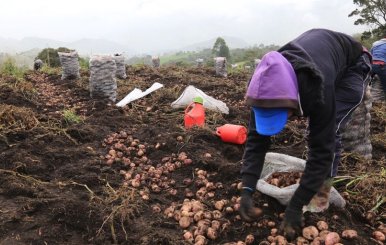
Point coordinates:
[(198, 216), (370, 216), (271, 224), (317, 241), (274, 181), (382, 228), (257, 212), (204, 222), (211, 233), (216, 224), (323, 234), (219, 205), (332, 238), (379, 236), (180, 138), (207, 155), (200, 240), (310, 233), (249, 239), (197, 206), (140, 153), (184, 222), (349, 234), (236, 206), (229, 210), (281, 216), (188, 161), (322, 225), (200, 230), (188, 236), (186, 205), (271, 238), (217, 214), (210, 187), (156, 208), (301, 241), (264, 243), (280, 240)]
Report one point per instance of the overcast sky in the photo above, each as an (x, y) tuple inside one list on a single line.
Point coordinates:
[(169, 24)]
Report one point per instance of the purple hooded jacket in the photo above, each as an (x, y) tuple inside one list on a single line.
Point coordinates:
[(274, 84)]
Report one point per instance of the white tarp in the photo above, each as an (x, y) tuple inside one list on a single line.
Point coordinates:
[(137, 94), (209, 102)]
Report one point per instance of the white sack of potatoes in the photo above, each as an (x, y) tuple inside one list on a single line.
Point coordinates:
[(276, 162)]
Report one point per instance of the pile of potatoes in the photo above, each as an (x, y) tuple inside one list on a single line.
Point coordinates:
[(140, 171), (284, 179), (202, 223)]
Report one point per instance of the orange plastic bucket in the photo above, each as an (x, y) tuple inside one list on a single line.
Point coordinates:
[(232, 133), (194, 115)]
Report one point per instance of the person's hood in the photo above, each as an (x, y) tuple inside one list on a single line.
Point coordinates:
[(273, 84), (379, 42)]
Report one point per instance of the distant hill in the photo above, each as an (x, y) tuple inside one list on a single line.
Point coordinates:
[(83, 46), (21, 59), (232, 42), (97, 46)]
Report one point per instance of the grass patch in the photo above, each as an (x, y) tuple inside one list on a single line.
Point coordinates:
[(70, 117)]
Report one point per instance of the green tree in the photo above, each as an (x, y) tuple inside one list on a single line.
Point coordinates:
[(50, 56), (373, 14), (220, 48)]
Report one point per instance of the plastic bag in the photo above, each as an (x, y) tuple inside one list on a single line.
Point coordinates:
[(209, 102), (276, 162), (137, 93)]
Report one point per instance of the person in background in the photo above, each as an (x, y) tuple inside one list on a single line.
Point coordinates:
[(378, 51), (322, 75), (38, 63)]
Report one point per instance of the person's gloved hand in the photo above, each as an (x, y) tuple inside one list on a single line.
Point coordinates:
[(248, 212), (320, 202), (292, 223)]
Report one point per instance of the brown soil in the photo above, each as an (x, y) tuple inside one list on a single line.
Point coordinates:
[(60, 183)]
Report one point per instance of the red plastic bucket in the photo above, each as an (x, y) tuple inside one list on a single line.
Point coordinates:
[(194, 115), (232, 133)]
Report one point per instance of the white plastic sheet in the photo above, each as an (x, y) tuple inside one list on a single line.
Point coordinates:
[(276, 162), (209, 102), (137, 94)]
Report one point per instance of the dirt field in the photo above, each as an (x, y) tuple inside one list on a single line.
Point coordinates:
[(107, 175)]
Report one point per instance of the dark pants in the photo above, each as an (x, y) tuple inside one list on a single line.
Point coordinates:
[(349, 92), (380, 70)]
